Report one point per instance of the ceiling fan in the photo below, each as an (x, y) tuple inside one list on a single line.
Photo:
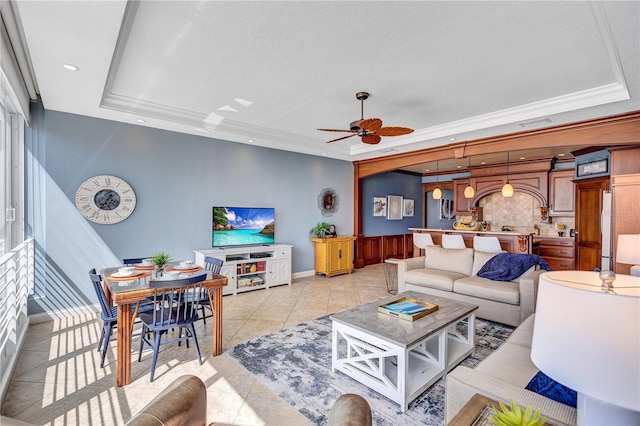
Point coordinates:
[(370, 130)]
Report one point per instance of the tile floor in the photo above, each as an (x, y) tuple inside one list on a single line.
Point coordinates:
[(58, 379)]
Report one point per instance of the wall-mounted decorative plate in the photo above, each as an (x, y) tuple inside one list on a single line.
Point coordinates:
[(328, 202)]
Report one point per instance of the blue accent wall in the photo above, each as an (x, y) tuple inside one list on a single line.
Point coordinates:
[(433, 211), (382, 185), (177, 178)]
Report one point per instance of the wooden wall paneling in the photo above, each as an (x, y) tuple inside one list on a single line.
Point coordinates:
[(408, 245), (372, 250), (393, 246), (358, 247)]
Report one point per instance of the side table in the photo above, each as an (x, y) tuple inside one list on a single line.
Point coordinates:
[(391, 275), (476, 412)]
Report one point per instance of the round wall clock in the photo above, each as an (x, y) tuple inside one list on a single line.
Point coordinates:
[(105, 199)]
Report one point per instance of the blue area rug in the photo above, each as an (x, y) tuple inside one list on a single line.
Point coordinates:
[(296, 364)]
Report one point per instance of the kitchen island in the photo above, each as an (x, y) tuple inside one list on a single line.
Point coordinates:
[(512, 242)]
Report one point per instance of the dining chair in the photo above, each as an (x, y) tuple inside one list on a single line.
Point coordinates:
[(454, 241), (109, 314), (213, 265), (173, 309), (487, 244)]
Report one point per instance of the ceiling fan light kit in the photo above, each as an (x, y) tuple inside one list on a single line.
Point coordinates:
[(370, 130)]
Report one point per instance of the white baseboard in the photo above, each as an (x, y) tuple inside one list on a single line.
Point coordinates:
[(303, 274)]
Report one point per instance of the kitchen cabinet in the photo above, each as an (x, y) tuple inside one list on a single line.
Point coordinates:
[(558, 252), (461, 205), (561, 193), (333, 256)]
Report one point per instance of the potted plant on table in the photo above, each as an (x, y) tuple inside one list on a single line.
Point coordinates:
[(160, 261), (321, 230), (516, 416)]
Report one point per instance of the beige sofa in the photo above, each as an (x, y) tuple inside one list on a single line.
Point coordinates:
[(451, 273), (503, 376)]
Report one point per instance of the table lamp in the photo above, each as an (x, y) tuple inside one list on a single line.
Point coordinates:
[(628, 252), (589, 340)]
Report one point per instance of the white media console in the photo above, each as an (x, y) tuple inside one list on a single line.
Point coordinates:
[(251, 267)]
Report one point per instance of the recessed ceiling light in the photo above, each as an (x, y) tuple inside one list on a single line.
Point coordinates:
[(458, 167), (427, 170), (251, 140), (560, 155), (70, 67), (325, 154), (140, 120), (452, 139), (522, 158), (484, 162)]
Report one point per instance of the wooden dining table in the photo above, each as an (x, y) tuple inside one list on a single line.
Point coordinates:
[(126, 291)]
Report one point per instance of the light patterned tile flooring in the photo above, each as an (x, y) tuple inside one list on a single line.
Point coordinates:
[(58, 379)]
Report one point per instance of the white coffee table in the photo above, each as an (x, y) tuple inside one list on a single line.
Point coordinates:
[(397, 358)]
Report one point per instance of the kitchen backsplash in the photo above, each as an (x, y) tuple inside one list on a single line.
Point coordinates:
[(520, 213)]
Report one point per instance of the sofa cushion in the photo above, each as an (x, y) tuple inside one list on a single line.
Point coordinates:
[(500, 291), (453, 260), (479, 259), (546, 386), (510, 363), (523, 335), (432, 278)]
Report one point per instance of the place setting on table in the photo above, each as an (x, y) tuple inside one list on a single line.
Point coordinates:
[(127, 274)]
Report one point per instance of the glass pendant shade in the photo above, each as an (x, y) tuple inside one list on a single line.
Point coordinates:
[(469, 192), (507, 190), (437, 194)]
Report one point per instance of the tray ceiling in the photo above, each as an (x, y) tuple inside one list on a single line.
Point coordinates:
[(271, 73)]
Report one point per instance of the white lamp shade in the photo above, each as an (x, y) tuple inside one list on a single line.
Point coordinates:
[(587, 339), (628, 251), (437, 193), (469, 192), (507, 190)]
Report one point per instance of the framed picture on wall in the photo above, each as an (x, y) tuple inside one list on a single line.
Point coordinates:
[(446, 209), (394, 206), (407, 207), (379, 206)]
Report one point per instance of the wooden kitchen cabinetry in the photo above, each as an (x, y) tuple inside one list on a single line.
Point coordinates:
[(561, 193), (558, 252), (461, 205), (589, 194), (333, 256)]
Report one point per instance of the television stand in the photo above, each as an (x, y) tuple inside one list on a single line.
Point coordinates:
[(251, 267)]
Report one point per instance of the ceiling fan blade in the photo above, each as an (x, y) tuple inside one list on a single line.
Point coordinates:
[(335, 130), (371, 124), (371, 139), (339, 139), (394, 131)]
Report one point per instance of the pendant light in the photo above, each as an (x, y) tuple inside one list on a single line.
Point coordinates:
[(507, 189), (437, 193), (469, 192)]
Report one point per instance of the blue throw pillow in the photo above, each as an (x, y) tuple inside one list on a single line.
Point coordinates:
[(546, 386)]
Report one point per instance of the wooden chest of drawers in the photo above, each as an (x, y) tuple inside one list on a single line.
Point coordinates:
[(558, 252)]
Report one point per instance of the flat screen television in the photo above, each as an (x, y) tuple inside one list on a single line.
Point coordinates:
[(242, 226)]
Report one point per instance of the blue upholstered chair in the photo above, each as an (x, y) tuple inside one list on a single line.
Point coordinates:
[(108, 313), (174, 308)]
